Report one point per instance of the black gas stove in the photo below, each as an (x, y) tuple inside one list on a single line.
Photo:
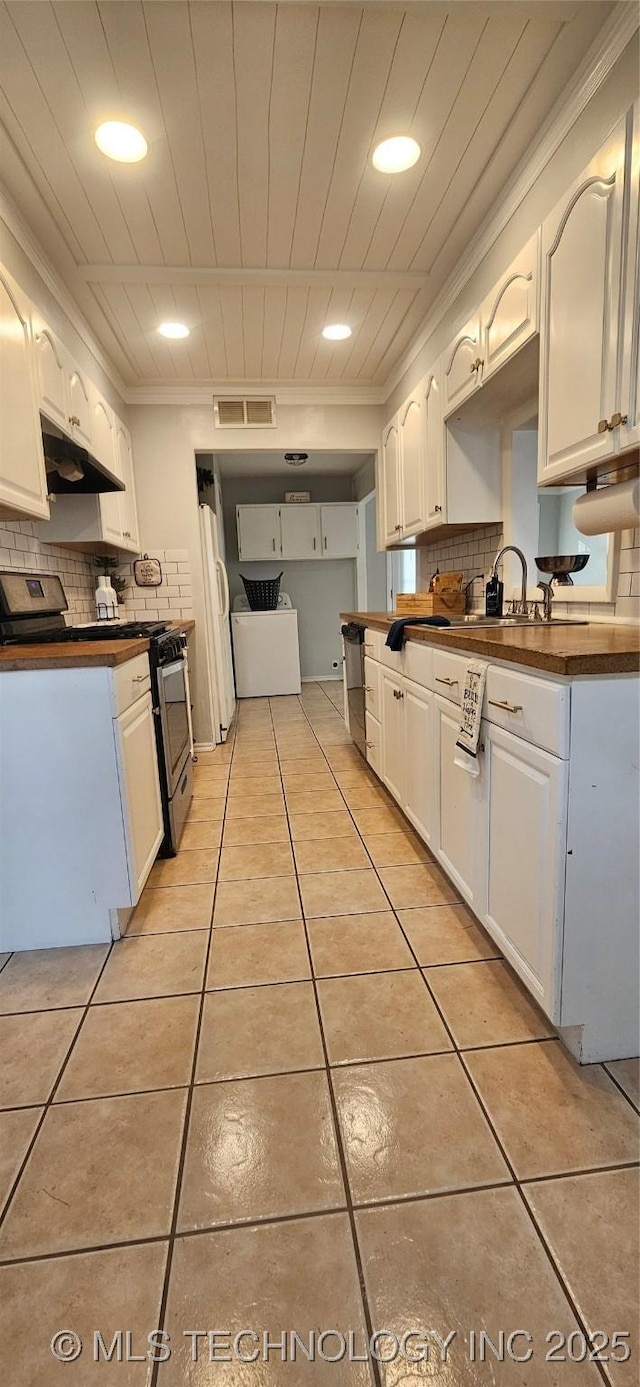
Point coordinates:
[(100, 631)]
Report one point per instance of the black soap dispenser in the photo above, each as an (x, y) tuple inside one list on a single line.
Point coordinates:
[(493, 595)]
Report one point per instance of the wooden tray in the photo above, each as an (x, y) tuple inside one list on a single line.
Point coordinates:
[(429, 603)]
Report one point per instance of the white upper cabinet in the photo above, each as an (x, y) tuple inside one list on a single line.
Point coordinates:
[(434, 444), (23, 480), (124, 468), (103, 434), (300, 531), (51, 366), (258, 532), (509, 314), (339, 527), (412, 479), (629, 400), (582, 250), (79, 407), (391, 524), (462, 366)]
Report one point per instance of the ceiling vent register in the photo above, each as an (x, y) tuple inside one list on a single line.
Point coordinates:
[(255, 413)]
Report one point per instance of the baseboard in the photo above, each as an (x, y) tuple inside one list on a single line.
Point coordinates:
[(321, 678)]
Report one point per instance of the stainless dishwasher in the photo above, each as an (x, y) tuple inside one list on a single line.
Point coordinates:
[(353, 635)]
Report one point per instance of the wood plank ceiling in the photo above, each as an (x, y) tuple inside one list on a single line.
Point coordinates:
[(258, 216)]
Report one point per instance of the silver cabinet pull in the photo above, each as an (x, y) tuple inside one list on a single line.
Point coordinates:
[(325, 541), (449, 682), (617, 419), (502, 703), (368, 688), (603, 426), (370, 744), (314, 541)]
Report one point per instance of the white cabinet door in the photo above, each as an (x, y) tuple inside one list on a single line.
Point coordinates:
[(582, 244), (419, 777), (139, 790), (462, 812), (130, 538), (79, 398), (412, 488), (103, 432), (391, 484), (509, 314), (23, 482), (52, 377), (629, 397), (300, 532), (393, 736), (258, 532), (373, 744), (339, 526), (527, 832), (462, 366), (434, 449)]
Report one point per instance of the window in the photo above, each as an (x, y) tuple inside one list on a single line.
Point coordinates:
[(403, 570)]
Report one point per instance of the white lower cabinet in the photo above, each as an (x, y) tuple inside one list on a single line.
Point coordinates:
[(393, 737), (373, 743), (527, 826), (141, 803), (461, 815), (420, 759)]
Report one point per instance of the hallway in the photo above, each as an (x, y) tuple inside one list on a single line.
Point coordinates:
[(305, 1093)]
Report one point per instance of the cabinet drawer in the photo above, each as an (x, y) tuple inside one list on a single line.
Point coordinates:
[(374, 743), (449, 673), (374, 643), (533, 708), (372, 672), (130, 681), (418, 663)]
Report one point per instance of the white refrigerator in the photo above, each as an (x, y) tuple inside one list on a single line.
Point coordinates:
[(217, 628)]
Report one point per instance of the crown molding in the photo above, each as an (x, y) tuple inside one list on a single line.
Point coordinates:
[(593, 71), (288, 393), (30, 245)]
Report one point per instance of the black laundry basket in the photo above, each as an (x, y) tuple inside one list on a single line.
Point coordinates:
[(262, 593)]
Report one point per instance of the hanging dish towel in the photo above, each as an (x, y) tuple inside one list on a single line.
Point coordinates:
[(395, 634), (466, 756)]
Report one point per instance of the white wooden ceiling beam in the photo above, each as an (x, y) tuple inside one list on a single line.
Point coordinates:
[(186, 274)]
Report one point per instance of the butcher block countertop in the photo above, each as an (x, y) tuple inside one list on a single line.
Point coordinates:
[(80, 654), (556, 649)]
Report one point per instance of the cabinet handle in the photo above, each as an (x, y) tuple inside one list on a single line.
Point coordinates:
[(398, 527), (369, 743), (479, 364), (438, 509), (314, 541), (273, 545), (397, 693), (126, 534), (449, 682), (73, 419), (367, 647), (139, 678), (502, 703), (603, 426), (368, 688), (617, 419)]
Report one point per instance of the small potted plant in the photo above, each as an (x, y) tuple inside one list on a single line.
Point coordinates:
[(105, 563)]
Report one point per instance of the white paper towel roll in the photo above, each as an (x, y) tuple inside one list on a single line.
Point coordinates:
[(614, 507)]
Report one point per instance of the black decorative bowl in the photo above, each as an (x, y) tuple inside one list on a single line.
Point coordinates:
[(562, 566)]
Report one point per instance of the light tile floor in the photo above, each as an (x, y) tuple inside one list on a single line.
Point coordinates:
[(305, 1093)]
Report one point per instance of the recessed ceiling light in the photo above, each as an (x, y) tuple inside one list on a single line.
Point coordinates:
[(397, 154), (175, 330), (122, 142), (336, 332)]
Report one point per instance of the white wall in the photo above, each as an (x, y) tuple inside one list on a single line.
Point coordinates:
[(165, 441)]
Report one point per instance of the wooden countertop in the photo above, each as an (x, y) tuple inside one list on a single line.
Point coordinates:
[(78, 655), (568, 650)]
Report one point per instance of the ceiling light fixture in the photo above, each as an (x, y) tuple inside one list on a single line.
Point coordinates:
[(122, 142), (173, 330), (336, 332), (397, 154), (296, 459)]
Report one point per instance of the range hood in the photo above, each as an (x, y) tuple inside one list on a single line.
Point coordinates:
[(71, 470)]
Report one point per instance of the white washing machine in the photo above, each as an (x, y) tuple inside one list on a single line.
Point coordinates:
[(266, 651)]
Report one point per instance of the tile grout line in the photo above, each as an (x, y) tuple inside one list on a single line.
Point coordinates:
[(373, 1366), (182, 1156), (508, 1163), (54, 1088)]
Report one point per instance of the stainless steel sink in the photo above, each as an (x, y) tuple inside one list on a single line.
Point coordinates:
[(477, 621)]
